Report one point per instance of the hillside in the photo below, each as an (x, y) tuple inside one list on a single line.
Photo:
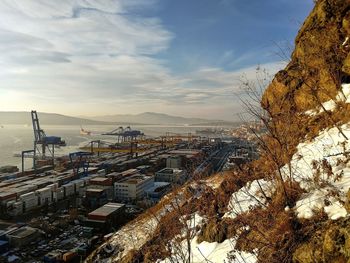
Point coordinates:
[(7, 117), (290, 205), (158, 118)]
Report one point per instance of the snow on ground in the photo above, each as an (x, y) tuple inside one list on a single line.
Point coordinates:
[(330, 105), (214, 252), (327, 193), (329, 146), (205, 252), (249, 196)]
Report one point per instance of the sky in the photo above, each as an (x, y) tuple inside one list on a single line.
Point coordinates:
[(104, 57)]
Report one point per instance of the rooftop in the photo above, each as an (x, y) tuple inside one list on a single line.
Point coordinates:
[(99, 179), (186, 152), (94, 190), (135, 179), (23, 232), (170, 171), (107, 209), (130, 171)]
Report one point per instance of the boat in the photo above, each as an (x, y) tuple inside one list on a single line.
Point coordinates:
[(208, 131), (84, 132)]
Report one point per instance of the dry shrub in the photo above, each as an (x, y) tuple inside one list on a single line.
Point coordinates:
[(327, 241), (214, 202), (217, 230), (272, 230), (133, 256)]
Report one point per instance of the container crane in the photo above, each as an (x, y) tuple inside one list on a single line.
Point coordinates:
[(44, 146), (125, 135), (80, 160)]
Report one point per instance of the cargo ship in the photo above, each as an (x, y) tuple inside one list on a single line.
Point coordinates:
[(84, 132)]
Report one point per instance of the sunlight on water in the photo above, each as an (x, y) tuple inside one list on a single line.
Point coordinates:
[(16, 138)]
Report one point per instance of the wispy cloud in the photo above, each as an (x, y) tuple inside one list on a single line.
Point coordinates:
[(95, 57)]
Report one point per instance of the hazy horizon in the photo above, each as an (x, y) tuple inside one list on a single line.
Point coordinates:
[(124, 118)]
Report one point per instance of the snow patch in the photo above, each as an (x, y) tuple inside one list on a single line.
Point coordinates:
[(249, 196), (335, 211), (328, 147), (330, 105), (206, 251)]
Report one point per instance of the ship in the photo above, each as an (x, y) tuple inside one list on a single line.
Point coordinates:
[(84, 132), (208, 131)]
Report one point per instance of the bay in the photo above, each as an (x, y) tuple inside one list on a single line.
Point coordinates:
[(17, 138)]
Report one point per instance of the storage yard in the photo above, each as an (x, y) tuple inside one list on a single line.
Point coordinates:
[(62, 208)]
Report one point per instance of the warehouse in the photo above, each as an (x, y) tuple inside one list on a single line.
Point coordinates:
[(111, 214), (23, 236)]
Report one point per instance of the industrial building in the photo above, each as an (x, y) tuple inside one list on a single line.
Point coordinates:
[(133, 188), (22, 236), (170, 175), (109, 215), (103, 183), (174, 161), (95, 197)]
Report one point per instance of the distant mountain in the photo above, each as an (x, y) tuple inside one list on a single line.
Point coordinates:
[(13, 117), (156, 118), (16, 117)]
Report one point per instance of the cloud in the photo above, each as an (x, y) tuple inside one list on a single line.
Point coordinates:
[(98, 57)]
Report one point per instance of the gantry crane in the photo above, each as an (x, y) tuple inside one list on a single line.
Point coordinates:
[(44, 146), (125, 135), (134, 143), (80, 160)]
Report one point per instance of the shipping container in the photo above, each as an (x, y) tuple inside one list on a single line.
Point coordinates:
[(45, 196), (58, 194), (69, 256), (69, 189), (30, 201)]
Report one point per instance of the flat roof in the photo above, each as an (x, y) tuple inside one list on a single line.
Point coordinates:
[(170, 171), (107, 209), (129, 171), (94, 190), (135, 179), (7, 193), (185, 151), (99, 179), (23, 232)]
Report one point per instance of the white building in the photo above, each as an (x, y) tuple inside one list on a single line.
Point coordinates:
[(133, 187)]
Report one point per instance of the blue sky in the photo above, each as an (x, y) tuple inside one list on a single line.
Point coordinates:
[(181, 57), (230, 34)]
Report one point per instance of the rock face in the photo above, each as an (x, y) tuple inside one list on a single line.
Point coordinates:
[(319, 63), (318, 66), (330, 244)]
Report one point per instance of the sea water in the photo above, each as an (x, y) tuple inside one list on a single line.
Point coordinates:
[(16, 138)]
